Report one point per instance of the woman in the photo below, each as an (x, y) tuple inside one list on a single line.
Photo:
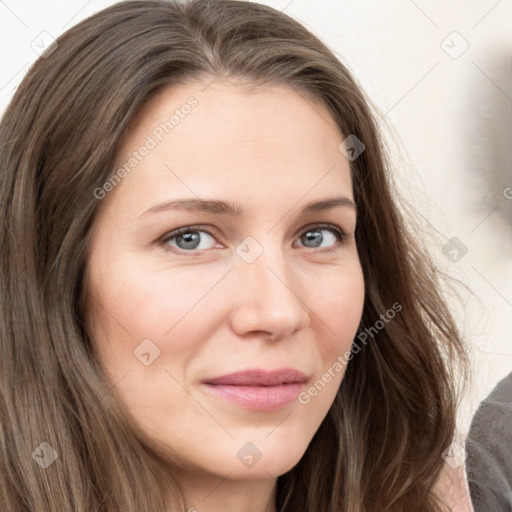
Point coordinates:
[(212, 301)]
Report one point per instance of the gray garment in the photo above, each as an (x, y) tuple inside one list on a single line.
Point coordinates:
[(489, 449)]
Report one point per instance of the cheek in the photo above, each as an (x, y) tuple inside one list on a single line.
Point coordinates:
[(339, 305), (339, 309), (171, 308)]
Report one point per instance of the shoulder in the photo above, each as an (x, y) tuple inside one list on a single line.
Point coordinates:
[(491, 427), (494, 414)]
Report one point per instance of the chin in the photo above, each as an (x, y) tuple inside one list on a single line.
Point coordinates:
[(264, 459), (262, 470)]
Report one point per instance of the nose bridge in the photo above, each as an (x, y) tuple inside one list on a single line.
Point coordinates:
[(268, 295)]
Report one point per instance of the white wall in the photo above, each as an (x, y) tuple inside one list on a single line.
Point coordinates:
[(448, 118)]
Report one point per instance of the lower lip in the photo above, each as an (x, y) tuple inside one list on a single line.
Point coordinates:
[(258, 398)]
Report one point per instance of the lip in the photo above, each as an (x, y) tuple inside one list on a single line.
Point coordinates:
[(257, 389)]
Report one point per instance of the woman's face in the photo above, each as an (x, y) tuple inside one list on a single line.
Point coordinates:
[(247, 290)]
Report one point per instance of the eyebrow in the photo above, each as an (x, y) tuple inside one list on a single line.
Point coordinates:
[(235, 210)]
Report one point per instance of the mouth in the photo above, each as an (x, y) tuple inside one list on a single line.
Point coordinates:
[(258, 390)]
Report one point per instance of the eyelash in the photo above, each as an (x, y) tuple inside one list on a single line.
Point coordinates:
[(340, 235)]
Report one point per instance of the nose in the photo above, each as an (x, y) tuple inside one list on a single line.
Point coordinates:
[(268, 300)]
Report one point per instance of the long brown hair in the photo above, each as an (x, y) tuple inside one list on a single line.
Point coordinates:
[(380, 446)]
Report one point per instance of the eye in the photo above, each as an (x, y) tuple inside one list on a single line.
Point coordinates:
[(314, 237), (188, 238), (194, 239)]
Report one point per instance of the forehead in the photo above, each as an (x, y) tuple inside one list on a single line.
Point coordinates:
[(224, 137)]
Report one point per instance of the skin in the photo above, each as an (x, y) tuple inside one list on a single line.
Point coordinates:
[(209, 311), (453, 490)]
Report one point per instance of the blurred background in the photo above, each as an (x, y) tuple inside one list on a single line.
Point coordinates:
[(439, 76)]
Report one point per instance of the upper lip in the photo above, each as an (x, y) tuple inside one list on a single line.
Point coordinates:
[(257, 377)]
